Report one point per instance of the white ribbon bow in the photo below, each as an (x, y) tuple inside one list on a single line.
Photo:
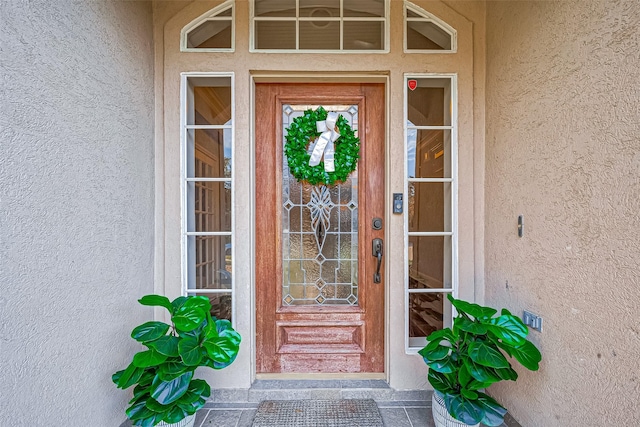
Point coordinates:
[(323, 145)]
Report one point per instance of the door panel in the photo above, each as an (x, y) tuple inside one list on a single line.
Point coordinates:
[(307, 323)]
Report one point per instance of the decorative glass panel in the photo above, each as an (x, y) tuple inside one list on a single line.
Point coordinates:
[(319, 231)]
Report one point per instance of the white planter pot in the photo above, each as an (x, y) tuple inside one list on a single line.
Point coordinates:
[(186, 422), (441, 416)]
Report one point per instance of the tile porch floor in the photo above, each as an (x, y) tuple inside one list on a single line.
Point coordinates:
[(237, 407)]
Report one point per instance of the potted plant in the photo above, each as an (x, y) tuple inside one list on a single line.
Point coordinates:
[(467, 358), (165, 389)]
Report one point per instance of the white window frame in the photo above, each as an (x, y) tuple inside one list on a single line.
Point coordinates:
[(184, 180), (453, 128), (211, 16), (427, 17), (252, 20)]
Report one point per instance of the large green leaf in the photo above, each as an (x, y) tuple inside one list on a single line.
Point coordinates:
[(166, 392), (188, 319), (445, 366), (221, 349), (128, 377), (467, 325), (510, 329), (149, 331), (435, 352), (225, 329), (493, 412), (528, 355), (199, 301), (178, 302), (475, 310), (156, 406), (441, 382), (157, 301), (148, 358), (167, 345), (175, 415), (139, 411), (200, 387), (464, 376), (171, 370), (481, 373), (506, 374), (190, 351), (487, 355), (463, 409)]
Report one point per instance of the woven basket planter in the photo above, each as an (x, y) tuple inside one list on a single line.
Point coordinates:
[(441, 416), (186, 422)]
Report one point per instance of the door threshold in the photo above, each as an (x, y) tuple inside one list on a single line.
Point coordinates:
[(322, 376)]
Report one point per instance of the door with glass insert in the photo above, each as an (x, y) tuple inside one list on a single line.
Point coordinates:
[(318, 307)]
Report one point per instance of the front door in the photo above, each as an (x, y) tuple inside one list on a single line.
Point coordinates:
[(318, 306)]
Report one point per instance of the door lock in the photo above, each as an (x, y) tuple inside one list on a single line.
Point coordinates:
[(376, 245)]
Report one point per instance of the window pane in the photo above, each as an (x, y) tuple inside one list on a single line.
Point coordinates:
[(429, 262), (212, 267), (209, 151), (429, 102), (367, 35), (320, 35), (212, 101), (425, 35), (425, 314), (428, 153), (211, 206), (211, 35), (220, 304), (275, 34), (429, 206), (315, 9), (275, 8), (364, 8)]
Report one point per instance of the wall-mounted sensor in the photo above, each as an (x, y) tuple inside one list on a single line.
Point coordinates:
[(397, 203)]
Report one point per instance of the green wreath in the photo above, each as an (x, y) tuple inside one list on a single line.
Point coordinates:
[(302, 132)]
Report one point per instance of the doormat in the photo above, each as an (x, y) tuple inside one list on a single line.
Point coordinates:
[(318, 413)]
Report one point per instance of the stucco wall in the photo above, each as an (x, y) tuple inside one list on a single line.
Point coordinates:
[(563, 149), (76, 205)]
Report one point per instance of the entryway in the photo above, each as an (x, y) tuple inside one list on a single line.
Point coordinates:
[(319, 280)]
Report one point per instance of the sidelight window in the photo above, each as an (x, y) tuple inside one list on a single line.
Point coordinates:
[(207, 190), (431, 183)]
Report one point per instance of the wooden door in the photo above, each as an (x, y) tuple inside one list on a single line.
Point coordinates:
[(318, 313)]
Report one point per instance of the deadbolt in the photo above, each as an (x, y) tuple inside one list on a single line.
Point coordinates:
[(376, 223)]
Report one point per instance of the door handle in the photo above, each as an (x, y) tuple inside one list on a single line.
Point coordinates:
[(376, 245)]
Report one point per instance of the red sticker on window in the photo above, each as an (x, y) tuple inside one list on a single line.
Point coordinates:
[(413, 84)]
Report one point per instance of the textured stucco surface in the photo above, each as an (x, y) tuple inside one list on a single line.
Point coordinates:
[(76, 205), (563, 149)]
